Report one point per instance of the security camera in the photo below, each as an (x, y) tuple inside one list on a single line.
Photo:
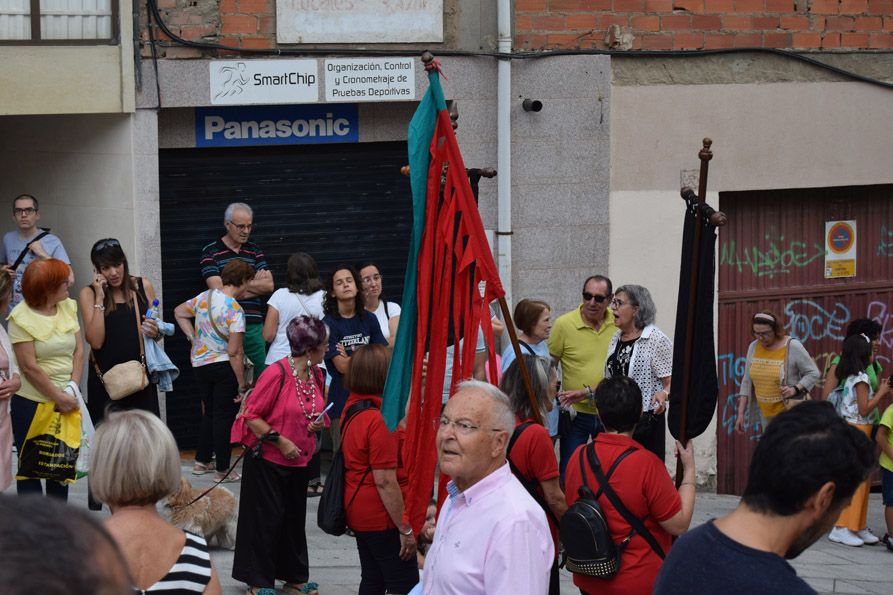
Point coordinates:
[(532, 105)]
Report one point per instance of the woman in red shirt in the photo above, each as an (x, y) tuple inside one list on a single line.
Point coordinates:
[(531, 453), (284, 412), (642, 484), (374, 478)]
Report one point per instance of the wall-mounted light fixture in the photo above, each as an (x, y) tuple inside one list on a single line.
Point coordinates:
[(532, 105)]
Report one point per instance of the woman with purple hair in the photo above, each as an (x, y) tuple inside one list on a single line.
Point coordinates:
[(284, 412)]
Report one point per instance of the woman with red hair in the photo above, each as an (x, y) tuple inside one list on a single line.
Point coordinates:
[(46, 339)]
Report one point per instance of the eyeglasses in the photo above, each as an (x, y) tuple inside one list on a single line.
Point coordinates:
[(588, 297), (26, 211), (241, 226), (106, 243), (462, 427), (370, 278), (615, 303), (763, 335)]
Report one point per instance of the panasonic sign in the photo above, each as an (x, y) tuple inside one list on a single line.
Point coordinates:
[(276, 125)]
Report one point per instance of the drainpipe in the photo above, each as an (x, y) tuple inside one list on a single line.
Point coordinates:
[(504, 148)]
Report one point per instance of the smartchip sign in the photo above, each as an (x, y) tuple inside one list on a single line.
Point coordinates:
[(276, 125), (243, 82)]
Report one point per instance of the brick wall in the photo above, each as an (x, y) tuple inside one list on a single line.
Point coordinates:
[(704, 24), (252, 24), (236, 23)]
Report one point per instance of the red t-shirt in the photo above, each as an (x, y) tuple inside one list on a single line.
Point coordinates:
[(643, 485), (534, 456), (368, 443)]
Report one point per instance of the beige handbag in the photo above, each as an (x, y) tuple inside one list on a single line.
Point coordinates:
[(125, 379), (791, 402)]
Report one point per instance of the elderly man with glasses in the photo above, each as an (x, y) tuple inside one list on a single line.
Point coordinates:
[(29, 243), (580, 340), (238, 220), (491, 535)]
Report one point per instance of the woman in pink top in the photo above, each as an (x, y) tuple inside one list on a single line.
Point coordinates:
[(284, 412), (9, 384)]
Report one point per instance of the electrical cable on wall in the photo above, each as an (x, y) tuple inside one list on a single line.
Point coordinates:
[(154, 14)]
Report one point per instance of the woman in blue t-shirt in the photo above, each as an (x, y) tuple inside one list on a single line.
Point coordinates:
[(350, 327)]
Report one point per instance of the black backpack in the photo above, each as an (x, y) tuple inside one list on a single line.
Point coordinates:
[(331, 516), (584, 531)]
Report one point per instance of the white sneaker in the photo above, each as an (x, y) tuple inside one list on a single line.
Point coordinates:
[(845, 536), (867, 537)]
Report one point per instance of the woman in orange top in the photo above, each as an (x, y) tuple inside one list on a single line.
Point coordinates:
[(777, 368)]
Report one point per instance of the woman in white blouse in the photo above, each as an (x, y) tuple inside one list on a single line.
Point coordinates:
[(9, 384), (387, 313), (303, 294), (643, 352)]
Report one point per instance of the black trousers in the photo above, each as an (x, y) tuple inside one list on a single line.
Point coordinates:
[(217, 387), (271, 542), (651, 432), (382, 569)]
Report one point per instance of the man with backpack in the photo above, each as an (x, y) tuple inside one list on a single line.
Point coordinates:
[(804, 471), (623, 506), (28, 243)]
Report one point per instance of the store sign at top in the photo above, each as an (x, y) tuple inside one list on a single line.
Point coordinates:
[(359, 21), (246, 82)]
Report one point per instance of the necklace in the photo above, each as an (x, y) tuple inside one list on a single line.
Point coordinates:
[(304, 388)]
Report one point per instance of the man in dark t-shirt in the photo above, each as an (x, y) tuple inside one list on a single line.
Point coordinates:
[(238, 220), (804, 471)]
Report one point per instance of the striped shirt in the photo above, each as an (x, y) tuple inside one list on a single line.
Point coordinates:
[(191, 573), (217, 255)]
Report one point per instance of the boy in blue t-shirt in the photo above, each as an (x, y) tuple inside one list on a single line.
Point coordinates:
[(885, 439)]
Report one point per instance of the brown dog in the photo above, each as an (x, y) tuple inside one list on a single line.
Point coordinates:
[(213, 516)]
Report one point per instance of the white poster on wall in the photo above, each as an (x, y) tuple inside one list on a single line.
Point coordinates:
[(840, 249), (370, 79), (246, 82), (359, 21)]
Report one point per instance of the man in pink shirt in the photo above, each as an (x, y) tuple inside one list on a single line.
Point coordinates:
[(491, 536)]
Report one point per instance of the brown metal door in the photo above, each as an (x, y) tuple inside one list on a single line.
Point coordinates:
[(772, 255)]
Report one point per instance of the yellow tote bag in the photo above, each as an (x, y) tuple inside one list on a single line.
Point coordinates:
[(50, 450)]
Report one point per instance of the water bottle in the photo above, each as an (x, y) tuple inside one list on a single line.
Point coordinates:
[(152, 312)]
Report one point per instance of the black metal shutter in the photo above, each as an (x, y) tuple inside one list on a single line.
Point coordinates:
[(340, 203)]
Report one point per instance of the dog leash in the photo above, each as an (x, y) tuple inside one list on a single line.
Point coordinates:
[(256, 449), (217, 483)]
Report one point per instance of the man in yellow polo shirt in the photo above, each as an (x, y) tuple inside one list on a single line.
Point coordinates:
[(580, 340)]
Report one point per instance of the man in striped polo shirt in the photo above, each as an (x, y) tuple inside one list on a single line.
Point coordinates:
[(237, 221)]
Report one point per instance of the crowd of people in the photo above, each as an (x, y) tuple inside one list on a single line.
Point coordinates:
[(600, 380)]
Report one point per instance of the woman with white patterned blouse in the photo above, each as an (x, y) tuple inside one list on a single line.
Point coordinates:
[(643, 352)]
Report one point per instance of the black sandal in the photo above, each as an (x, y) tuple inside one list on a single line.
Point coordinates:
[(314, 490)]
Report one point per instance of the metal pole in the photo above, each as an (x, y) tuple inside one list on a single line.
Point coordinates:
[(525, 376)]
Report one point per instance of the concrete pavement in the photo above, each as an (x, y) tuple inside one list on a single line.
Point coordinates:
[(828, 567)]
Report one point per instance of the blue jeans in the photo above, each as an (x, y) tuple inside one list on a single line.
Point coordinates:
[(583, 427)]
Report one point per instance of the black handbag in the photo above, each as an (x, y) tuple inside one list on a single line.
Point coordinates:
[(331, 516)]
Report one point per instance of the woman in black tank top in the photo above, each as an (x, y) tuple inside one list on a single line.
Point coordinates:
[(110, 326)]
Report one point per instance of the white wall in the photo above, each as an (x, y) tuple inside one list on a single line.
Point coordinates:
[(80, 168), (70, 79), (781, 135)]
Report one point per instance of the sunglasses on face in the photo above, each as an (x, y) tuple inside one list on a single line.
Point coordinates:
[(588, 297)]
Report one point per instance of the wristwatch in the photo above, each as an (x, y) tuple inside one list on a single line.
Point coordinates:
[(407, 534), (271, 436)]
